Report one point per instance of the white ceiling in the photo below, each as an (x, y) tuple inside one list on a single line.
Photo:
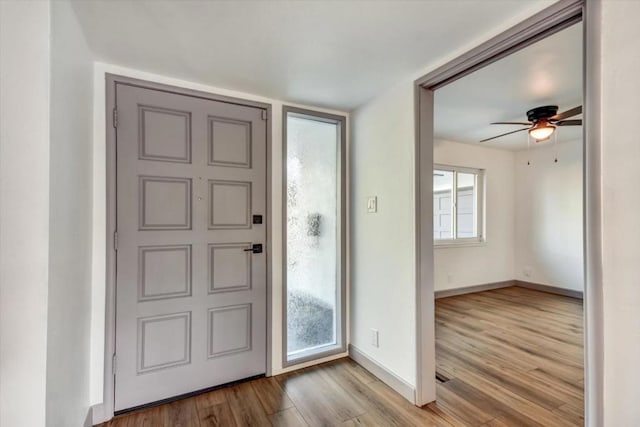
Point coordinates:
[(548, 72), (324, 53)]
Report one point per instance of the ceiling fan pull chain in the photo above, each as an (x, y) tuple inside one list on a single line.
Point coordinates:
[(528, 150), (555, 144)]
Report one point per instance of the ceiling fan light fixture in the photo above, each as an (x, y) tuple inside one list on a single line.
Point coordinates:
[(541, 130)]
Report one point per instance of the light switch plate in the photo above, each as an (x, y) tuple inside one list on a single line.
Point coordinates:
[(372, 204)]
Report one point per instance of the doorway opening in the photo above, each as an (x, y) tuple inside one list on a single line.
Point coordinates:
[(456, 216)]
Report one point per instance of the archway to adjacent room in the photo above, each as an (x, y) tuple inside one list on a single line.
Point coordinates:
[(546, 23)]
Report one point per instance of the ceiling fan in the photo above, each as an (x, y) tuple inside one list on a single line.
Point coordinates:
[(543, 122)]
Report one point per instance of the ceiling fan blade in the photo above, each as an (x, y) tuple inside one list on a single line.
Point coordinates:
[(513, 123), (569, 113), (575, 122), (504, 134)]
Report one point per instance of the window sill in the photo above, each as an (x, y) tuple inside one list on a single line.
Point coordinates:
[(312, 354), (449, 245)]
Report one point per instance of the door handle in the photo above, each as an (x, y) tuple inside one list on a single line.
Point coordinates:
[(256, 248)]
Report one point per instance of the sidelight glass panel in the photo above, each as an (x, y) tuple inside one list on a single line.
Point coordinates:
[(313, 229)]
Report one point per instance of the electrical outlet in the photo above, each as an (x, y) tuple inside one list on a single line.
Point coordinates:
[(449, 278), (527, 271), (374, 338)]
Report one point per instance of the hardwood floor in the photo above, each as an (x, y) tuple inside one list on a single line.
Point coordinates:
[(513, 356), (509, 357)]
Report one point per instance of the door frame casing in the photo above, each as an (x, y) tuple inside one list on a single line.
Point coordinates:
[(111, 80), (546, 22)]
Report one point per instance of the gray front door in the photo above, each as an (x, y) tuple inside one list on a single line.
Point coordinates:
[(191, 295)]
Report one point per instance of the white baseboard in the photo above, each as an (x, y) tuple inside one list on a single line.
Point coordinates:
[(98, 414), (550, 289), (88, 420), (403, 388), (507, 283), (473, 289)]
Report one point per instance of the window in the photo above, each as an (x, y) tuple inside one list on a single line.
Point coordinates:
[(314, 235), (458, 206)]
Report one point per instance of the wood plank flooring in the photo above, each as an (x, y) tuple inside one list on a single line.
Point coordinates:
[(509, 357), (513, 356)]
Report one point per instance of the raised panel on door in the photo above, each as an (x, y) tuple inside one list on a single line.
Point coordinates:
[(164, 134), (163, 341), (230, 266), (164, 203), (229, 142), (191, 295), (164, 271), (230, 204), (229, 330)]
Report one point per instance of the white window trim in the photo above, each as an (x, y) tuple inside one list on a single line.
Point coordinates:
[(480, 205)]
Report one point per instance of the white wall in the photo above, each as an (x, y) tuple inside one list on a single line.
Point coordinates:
[(533, 218), (493, 261), (548, 202), (383, 263), (621, 204), (69, 221), (24, 213), (382, 244), (99, 214)]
